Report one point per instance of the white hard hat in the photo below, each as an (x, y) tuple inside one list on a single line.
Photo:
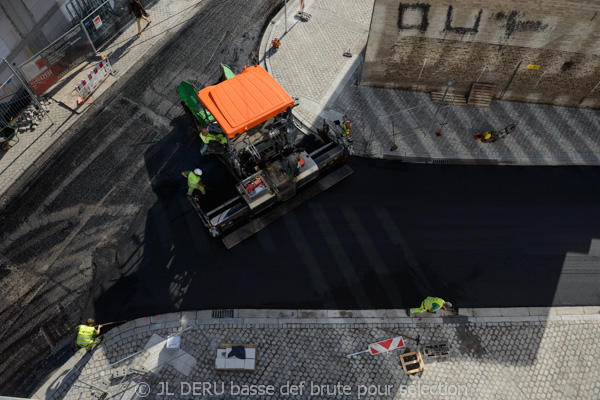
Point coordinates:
[(198, 172), (448, 304)]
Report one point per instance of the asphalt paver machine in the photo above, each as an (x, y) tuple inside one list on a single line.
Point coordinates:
[(267, 166)]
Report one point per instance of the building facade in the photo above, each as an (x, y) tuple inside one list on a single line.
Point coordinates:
[(27, 26), (543, 51)]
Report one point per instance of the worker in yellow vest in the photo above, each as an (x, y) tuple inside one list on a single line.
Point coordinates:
[(347, 128), (86, 334), (207, 137), (194, 181), (430, 304)]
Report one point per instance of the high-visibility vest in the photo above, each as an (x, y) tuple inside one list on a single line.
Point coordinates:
[(209, 136), (194, 181), (85, 335), (346, 128), (430, 301)]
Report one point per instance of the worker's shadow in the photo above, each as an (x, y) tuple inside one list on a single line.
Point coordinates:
[(67, 377), (162, 255), (122, 50)]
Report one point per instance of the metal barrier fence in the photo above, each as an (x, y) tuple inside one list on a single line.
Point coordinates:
[(94, 31), (103, 23), (49, 65), (106, 21), (14, 97), (19, 107), (78, 9)]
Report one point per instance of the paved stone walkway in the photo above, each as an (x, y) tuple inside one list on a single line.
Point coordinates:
[(495, 354), (311, 66), (537, 353)]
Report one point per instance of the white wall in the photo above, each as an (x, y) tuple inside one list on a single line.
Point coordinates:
[(57, 25), (39, 8), (9, 37)]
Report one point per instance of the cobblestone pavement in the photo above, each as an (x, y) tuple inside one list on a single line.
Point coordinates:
[(494, 357), (124, 53), (311, 66)]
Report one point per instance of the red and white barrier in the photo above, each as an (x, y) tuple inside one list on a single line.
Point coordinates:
[(90, 83), (386, 345)]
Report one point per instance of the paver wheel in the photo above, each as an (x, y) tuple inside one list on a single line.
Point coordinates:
[(5, 146)]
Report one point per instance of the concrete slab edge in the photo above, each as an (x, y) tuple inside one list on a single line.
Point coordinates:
[(179, 321), (318, 317), (487, 160)]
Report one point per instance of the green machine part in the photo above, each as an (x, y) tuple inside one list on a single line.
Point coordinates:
[(189, 95), (227, 72)]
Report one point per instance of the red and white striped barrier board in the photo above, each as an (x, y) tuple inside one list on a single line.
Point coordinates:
[(97, 75), (386, 345)]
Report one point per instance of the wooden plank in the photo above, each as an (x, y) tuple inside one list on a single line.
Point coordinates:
[(450, 99), (481, 95), (409, 363), (226, 345)]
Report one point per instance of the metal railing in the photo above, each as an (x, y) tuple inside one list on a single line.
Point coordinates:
[(15, 97), (107, 20), (49, 65), (124, 378), (103, 23)]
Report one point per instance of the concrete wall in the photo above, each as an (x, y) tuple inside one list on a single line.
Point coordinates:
[(27, 26), (422, 45)]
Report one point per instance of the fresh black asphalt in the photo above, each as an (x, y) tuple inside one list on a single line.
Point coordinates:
[(390, 234), (103, 228)]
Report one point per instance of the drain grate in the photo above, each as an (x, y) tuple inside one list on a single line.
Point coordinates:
[(440, 350), (222, 314), (440, 161)]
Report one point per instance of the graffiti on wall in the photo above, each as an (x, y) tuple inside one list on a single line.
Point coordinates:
[(462, 30), (422, 9), (511, 22)]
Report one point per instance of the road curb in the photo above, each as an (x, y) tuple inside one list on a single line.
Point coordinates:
[(320, 317), (505, 161), (308, 319)]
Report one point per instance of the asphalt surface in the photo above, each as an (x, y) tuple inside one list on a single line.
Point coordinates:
[(387, 236), (59, 234), (105, 229)]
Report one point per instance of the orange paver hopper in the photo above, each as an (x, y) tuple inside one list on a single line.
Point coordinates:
[(246, 100)]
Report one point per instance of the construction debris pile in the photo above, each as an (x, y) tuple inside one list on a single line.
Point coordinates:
[(31, 117)]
